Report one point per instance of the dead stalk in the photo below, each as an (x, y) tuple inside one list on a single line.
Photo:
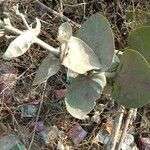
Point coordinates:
[(48, 9), (115, 131), (124, 132)]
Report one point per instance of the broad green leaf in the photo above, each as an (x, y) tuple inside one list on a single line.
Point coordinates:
[(138, 18), (97, 34), (64, 32), (80, 57), (132, 86), (48, 68), (20, 45), (139, 40), (82, 94)]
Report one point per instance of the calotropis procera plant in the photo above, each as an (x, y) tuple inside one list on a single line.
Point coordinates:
[(91, 56)]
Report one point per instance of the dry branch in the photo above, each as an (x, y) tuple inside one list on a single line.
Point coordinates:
[(115, 131), (48, 9), (124, 132)]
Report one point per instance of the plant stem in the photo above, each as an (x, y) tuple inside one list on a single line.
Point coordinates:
[(16, 31), (115, 131), (124, 132), (110, 74)]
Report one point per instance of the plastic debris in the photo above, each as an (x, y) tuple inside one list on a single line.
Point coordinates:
[(11, 142), (145, 143), (102, 137), (29, 110), (129, 139), (49, 134), (77, 134), (96, 117), (128, 142), (60, 93)]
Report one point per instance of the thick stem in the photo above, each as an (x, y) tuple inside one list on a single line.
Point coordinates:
[(55, 51)]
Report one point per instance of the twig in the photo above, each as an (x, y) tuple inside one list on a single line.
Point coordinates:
[(22, 17), (37, 118), (124, 132), (115, 131), (48, 9), (16, 31)]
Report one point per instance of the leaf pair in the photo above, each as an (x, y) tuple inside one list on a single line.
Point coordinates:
[(22, 43), (93, 50)]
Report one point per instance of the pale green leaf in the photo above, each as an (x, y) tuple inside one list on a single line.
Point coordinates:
[(80, 57), (139, 40), (20, 45), (132, 86), (48, 68), (97, 34), (82, 94), (64, 32)]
